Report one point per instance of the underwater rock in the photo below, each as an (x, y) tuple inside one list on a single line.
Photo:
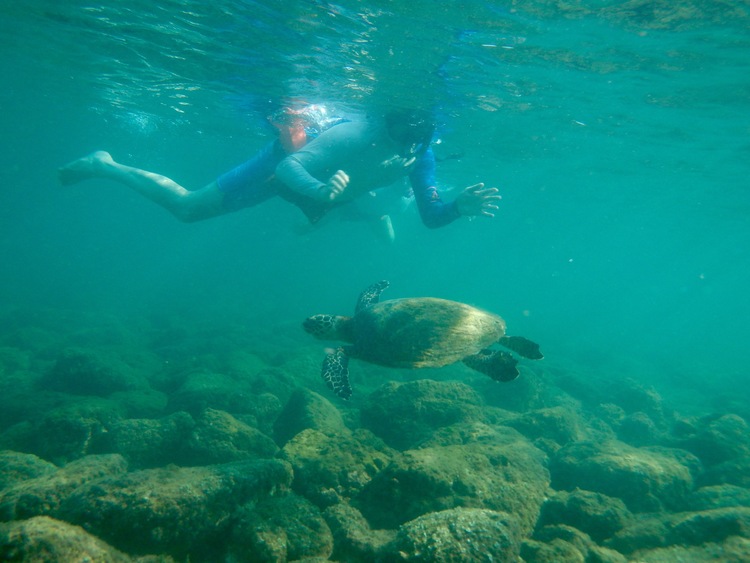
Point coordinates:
[(718, 496), (65, 433), (716, 440), (596, 514), (352, 537), (404, 414), (87, 372), (145, 442), (202, 390), (558, 424), (637, 429), (44, 539), (683, 528), (732, 550), (556, 543), (283, 528), (525, 393), (734, 472), (218, 437), (508, 477), (176, 510), (458, 534), (329, 469), (646, 479), (143, 403), (16, 467), (306, 409), (43, 495)]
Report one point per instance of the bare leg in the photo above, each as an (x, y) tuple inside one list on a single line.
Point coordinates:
[(184, 204)]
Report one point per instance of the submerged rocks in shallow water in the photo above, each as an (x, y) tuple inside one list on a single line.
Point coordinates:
[(646, 479), (404, 414), (717, 440), (508, 477), (88, 372), (283, 528), (353, 538), (458, 534), (558, 543), (44, 539), (596, 514), (331, 469), (175, 510), (16, 467), (306, 409), (557, 423), (43, 495)]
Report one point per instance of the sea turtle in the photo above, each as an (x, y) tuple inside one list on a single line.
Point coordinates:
[(416, 332)]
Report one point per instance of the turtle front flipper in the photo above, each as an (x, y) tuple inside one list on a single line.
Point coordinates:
[(370, 295), (335, 372), (521, 346), (499, 365)]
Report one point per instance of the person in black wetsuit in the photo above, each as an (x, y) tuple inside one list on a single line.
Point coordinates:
[(318, 163)]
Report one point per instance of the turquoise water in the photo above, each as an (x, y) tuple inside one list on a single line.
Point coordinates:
[(617, 133)]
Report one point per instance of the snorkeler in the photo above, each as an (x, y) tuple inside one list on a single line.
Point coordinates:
[(318, 162)]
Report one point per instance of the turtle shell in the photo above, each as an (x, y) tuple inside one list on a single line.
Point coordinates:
[(422, 332)]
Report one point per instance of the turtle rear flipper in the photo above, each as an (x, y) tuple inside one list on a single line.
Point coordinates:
[(335, 372), (521, 346), (499, 365)]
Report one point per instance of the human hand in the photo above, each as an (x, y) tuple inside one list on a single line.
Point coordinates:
[(335, 186), (400, 161), (475, 200)]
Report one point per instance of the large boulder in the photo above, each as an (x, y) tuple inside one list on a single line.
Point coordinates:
[(45, 539), (44, 494), (458, 534), (282, 528), (646, 479), (307, 409), (405, 414), (183, 511), (504, 473), (353, 538), (17, 467), (334, 468), (596, 514)]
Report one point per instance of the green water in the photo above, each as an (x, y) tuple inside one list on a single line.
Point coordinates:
[(618, 134)]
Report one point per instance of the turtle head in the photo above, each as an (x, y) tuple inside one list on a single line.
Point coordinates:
[(327, 327)]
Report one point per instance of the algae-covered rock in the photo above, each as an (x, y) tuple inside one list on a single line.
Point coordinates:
[(174, 510), (733, 472), (646, 479), (556, 543), (731, 550), (65, 433), (307, 409), (16, 467), (711, 525), (596, 514), (148, 442), (507, 477), (458, 534), (637, 429), (43, 495), (44, 539), (556, 423), (330, 469), (353, 538), (283, 528), (404, 414), (218, 437), (719, 439), (82, 371), (718, 496), (202, 390)]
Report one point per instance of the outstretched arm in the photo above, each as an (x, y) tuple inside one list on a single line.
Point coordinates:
[(474, 200)]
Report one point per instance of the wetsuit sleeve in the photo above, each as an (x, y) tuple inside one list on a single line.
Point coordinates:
[(433, 210), (307, 170)]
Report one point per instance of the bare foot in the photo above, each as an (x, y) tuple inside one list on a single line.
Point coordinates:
[(85, 168)]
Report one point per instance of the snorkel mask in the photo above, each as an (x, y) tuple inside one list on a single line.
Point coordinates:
[(412, 129)]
